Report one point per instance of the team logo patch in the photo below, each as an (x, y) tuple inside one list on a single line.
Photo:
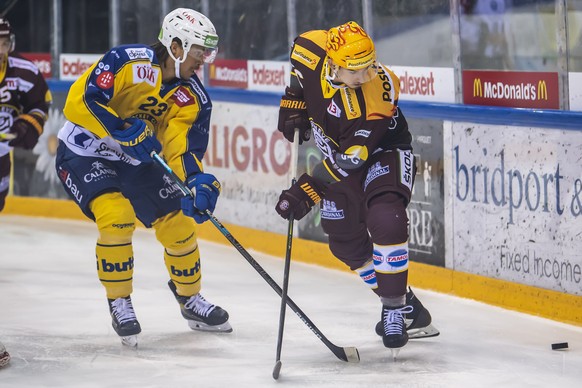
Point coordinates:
[(333, 109), (105, 80)]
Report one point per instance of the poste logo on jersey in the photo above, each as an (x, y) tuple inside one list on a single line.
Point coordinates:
[(145, 73)]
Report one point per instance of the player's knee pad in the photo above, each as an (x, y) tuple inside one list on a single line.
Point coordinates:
[(115, 218), (115, 268), (184, 270), (387, 219), (177, 233)]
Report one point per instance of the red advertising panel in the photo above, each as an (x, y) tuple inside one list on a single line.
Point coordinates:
[(515, 89), (42, 61), (231, 73)]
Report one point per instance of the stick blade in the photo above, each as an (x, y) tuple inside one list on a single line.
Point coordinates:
[(277, 369), (352, 354)]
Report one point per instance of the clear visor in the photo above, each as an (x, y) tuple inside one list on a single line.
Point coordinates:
[(204, 54), (356, 77)]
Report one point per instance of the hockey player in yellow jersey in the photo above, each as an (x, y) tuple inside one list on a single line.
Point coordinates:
[(342, 95), (135, 100)]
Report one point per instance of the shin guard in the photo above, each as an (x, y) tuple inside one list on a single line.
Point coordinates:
[(115, 269)]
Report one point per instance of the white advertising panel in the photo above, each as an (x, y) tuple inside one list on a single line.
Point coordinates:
[(73, 65), (575, 88), (251, 160), (268, 76), (514, 204), (434, 84)]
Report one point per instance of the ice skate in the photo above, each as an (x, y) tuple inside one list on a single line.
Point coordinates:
[(4, 356), (394, 333), (418, 322), (124, 321), (200, 314)]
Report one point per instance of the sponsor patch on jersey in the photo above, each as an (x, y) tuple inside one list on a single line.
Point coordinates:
[(374, 172), (105, 80), (183, 97), (139, 53), (350, 100), (329, 211), (201, 93), (145, 73), (363, 133), (333, 109), (306, 57), (406, 170), (11, 83)]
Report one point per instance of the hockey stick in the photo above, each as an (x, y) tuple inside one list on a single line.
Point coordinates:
[(7, 136), (294, 158), (349, 354)]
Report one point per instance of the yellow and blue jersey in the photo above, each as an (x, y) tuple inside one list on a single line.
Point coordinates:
[(127, 82)]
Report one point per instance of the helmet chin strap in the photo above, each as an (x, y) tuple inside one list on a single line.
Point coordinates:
[(177, 61)]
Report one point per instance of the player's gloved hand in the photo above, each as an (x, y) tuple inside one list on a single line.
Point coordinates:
[(27, 128), (206, 189), (300, 198), (138, 140), (293, 114)]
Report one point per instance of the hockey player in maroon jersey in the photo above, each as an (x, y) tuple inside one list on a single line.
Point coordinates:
[(349, 102), (24, 102)]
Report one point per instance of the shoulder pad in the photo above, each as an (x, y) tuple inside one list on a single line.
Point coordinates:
[(381, 94)]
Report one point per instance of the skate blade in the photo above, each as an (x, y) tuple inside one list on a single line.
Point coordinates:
[(129, 341), (423, 332), (4, 359), (222, 328), (395, 352)]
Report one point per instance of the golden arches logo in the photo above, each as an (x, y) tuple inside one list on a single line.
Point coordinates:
[(542, 90), (477, 88)]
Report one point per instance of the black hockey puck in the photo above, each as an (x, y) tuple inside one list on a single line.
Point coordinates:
[(560, 345)]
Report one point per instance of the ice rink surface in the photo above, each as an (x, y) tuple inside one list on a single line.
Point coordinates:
[(55, 323)]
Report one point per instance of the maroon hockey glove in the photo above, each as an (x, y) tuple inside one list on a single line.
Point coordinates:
[(293, 114), (300, 198), (27, 128)]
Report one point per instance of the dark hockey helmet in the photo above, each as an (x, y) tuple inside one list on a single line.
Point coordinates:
[(6, 32)]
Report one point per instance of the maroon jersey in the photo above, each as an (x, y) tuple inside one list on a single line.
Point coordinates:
[(348, 125), (22, 90)]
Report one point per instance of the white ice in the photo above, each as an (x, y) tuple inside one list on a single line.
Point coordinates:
[(55, 323)]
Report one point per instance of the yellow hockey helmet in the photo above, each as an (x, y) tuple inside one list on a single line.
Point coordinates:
[(350, 47)]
